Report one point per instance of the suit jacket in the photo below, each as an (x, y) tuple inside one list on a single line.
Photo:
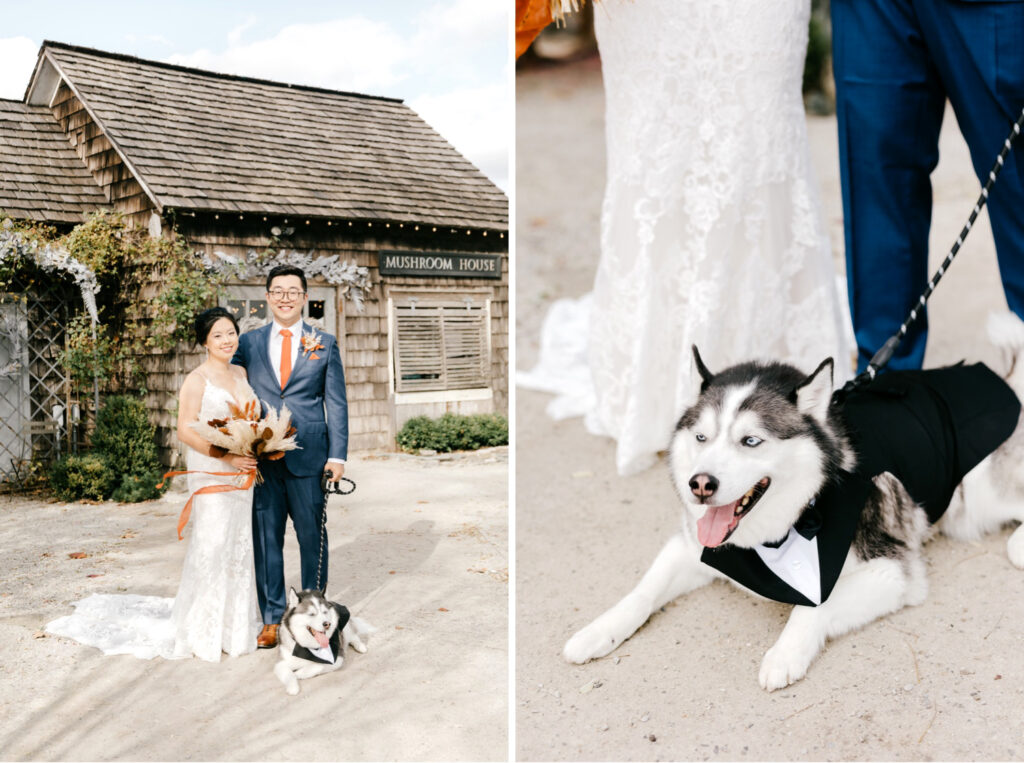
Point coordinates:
[(315, 396), (926, 428)]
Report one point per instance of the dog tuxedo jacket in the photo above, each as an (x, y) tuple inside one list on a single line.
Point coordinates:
[(926, 428)]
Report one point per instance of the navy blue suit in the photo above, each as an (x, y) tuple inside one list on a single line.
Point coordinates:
[(896, 62), (291, 486)]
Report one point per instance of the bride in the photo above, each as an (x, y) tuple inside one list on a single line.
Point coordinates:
[(711, 227), (216, 608)]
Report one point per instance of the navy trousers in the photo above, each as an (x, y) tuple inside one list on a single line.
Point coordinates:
[(896, 62), (284, 495)]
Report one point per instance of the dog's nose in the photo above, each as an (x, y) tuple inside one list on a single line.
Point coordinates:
[(703, 485), (327, 625)]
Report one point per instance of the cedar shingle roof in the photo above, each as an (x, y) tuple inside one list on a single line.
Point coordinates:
[(205, 141), (41, 176)]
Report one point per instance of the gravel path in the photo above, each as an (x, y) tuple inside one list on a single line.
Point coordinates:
[(419, 550)]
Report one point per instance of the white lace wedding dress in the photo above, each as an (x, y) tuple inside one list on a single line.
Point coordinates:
[(216, 608), (711, 227)]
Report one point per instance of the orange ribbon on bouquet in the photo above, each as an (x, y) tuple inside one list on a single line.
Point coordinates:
[(187, 511)]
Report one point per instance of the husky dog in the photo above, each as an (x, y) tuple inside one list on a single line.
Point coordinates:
[(787, 497), (314, 634)]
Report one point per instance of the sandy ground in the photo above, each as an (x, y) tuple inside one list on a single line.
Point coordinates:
[(420, 550), (941, 681)]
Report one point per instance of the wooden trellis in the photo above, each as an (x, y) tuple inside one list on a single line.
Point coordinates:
[(39, 421)]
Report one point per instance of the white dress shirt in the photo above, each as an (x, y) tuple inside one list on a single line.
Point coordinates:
[(276, 342), (796, 562)]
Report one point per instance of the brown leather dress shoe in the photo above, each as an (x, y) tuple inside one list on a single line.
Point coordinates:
[(268, 636)]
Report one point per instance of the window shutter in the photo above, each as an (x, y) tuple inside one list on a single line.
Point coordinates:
[(419, 355), (465, 348), (439, 347)]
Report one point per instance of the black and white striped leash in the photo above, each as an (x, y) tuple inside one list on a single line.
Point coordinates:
[(881, 358), (326, 486)]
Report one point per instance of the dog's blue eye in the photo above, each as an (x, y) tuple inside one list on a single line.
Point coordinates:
[(751, 441), (701, 438)]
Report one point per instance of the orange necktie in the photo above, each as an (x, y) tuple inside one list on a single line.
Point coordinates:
[(286, 356)]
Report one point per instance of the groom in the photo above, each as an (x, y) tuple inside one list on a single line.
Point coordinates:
[(290, 364)]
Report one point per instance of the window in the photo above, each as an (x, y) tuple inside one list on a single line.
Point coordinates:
[(441, 343), (249, 306)]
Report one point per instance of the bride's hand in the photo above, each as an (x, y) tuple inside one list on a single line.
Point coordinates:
[(242, 463)]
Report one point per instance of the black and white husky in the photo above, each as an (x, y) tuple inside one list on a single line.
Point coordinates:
[(796, 499), (313, 637)]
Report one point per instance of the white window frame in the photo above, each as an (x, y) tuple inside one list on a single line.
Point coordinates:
[(432, 297)]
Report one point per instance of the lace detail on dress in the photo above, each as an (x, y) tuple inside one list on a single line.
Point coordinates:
[(711, 225), (216, 608)]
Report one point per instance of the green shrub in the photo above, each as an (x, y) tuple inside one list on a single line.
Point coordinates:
[(126, 439), (417, 433), (76, 477), (138, 487), (453, 432), (124, 435)]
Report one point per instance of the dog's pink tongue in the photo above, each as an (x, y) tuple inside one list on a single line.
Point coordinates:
[(321, 638), (715, 524)]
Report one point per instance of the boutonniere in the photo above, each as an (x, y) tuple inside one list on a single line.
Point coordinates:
[(310, 344)]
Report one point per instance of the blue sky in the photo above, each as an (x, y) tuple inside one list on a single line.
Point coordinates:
[(448, 59)]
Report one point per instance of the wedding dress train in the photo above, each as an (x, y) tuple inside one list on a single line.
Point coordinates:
[(216, 607), (711, 227)]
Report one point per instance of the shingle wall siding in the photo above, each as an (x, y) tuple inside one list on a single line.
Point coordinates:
[(99, 156)]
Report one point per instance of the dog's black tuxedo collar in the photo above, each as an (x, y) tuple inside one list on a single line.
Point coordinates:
[(807, 526), (833, 529), (927, 428)]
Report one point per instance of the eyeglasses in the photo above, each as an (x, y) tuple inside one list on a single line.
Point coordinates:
[(291, 294)]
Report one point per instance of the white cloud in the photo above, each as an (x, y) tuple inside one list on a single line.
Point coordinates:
[(466, 20), (477, 121), (157, 39), (17, 59), (346, 54)]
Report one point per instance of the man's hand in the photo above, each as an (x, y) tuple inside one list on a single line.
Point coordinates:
[(336, 470)]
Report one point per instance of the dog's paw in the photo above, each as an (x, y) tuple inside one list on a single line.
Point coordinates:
[(782, 667), (588, 644), (1015, 548), (359, 646), (292, 689)]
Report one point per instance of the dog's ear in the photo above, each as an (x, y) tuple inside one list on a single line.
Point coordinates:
[(293, 598), (705, 375), (814, 393)]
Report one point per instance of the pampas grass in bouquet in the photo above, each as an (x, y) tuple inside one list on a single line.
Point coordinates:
[(246, 434)]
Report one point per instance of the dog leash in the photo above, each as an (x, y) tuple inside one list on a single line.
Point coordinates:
[(881, 358), (326, 487)]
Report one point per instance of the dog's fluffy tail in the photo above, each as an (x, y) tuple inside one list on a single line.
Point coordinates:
[(1006, 331), (357, 632), (361, 627)]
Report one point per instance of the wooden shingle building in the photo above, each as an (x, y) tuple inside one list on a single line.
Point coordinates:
[(335, 180)]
